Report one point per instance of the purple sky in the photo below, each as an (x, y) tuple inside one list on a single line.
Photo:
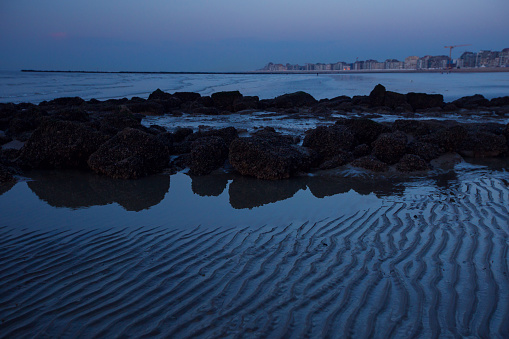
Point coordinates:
[(233, 35)]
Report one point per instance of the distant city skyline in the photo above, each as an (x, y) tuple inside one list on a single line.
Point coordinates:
[(228, 35), (468, 59)]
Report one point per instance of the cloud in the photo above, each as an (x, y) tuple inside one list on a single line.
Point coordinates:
[(58, 35)]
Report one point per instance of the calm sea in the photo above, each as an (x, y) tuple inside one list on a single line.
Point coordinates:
[(36, 87)]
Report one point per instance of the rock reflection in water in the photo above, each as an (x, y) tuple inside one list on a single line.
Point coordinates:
[(209, 185), (76, 189), (246, 192)]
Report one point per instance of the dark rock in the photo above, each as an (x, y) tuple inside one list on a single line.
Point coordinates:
[(361, 100), (207, 154), (60, 144), (247, 102), (424, 150), (26, 121), (424, 101), (393, 100), (226, 100), (72, 114), (371, 163), (130, 154), (266, 159), (412, 163), (187, 96), (181, 133), (415, 127), (365, 130), (228, 134), (472, 101), (450, 107), (502, 101), (330, 141), (361, 150), (4, 138), (112, 123), (147, 107), (483, 145), (66, 101), (6, 175), (159, 95), (448, 139), (338, 160), (390, 147), (377, 95), (297, 99), (270, 134)]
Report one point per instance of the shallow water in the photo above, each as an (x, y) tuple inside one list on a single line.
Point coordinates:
[(338, 254), (36, 87)]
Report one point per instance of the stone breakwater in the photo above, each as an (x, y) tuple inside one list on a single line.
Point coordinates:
[(108, 136)]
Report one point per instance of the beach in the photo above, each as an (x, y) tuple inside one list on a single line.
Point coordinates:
[(425, 259), (372, 216)]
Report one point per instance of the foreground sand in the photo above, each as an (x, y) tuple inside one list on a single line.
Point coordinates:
[(431, 262)]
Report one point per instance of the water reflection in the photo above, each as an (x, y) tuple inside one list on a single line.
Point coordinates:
[(209, 185), (76, 189), (6, 186), (246, 192)]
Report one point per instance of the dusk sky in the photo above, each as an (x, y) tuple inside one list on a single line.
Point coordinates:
[(233, 35)]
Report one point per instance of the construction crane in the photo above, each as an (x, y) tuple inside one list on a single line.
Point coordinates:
[(450, 52)]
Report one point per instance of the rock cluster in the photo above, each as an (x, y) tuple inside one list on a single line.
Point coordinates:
[(108, 137)]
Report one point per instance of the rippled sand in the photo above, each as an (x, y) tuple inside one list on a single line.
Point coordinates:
[(423, 263)]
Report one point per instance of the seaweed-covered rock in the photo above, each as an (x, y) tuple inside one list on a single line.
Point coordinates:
[(412, 163), (390, 147), (424, 150), (26, 121), (501, 101), (207, 154), (266, 159), (228, 134), (130, 154), (361, 150), (159, 95), (65, 101), (187, 96), (60, 144), (226, 100), (338, 160), (297, 99), (483, 145), (472, 101), (329, 141), (72, 114), (416, 127), (246, 102), (377, 95), (365, 130), (371, 163), (112, 123), (4, 138), (448, 139), (424, 101), (6, 175)]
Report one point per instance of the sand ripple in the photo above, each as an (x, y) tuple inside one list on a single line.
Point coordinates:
[(419, 266)]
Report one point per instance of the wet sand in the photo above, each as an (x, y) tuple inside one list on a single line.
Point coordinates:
[(429, 260)]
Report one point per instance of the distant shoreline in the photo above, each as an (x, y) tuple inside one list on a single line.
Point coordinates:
[(461, 70)]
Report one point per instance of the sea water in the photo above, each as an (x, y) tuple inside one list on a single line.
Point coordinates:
[(35, 87)]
